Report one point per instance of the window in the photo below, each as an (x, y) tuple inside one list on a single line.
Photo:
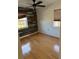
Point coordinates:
[(22, 23)]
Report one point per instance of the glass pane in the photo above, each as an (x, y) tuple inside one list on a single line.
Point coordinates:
[(22, 23)]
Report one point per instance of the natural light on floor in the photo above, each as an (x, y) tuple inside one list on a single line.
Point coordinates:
[(26, 48)]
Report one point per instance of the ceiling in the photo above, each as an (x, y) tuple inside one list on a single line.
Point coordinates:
[(27, 3)]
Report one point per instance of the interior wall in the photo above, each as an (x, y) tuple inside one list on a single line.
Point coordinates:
[(46, 17)]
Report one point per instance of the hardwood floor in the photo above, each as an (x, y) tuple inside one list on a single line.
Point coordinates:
[(42, 47)]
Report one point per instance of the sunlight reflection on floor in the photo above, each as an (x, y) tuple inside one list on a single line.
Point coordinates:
[(56, 48), (26, 48)]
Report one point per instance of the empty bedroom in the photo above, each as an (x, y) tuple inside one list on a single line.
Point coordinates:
[(39, 29)]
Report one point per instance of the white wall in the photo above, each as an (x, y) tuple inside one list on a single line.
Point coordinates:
[(45, 20)]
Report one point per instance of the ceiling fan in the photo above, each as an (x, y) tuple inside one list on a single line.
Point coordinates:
[(36, 4)]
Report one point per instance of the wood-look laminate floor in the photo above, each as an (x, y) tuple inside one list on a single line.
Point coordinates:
[(41, 47)]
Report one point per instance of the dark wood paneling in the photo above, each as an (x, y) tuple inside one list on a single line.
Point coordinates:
[(32, 21)]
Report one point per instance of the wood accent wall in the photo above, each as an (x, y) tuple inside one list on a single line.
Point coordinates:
[(32, 21)]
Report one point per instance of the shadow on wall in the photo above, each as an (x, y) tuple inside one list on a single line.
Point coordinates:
[(49, 28), (56, 31), (56, 26)]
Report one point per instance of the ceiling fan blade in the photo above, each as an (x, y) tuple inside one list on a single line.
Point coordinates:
[(41, 6), (34, 1), (39, 2)]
